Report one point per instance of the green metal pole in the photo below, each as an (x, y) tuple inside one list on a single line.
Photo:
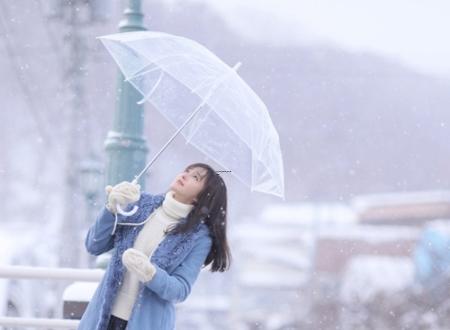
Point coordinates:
[(125, 144)]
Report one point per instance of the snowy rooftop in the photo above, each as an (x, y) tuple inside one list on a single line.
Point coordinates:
[(262, 233), (307, 213), (363, 202), (268, 232), (215, 303), (371, 233), (281, 256), (272, 279)]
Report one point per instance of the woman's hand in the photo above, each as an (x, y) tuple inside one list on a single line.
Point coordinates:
[(123, 194), (138, 263)]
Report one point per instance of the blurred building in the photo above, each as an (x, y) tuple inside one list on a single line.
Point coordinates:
[(374, 256), (275, 263), (297, 265)]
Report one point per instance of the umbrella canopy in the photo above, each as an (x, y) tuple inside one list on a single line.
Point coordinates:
[(220, 114)]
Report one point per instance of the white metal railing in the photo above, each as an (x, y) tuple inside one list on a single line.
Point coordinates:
[(38, 322), (27, 272), (74, 274)]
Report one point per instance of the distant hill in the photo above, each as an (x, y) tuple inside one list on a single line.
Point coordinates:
[(349, 123)]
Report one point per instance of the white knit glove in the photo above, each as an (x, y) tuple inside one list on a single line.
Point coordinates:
[(122, 193), (138, 263)]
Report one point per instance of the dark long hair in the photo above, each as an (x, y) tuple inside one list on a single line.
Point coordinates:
[(211, 208)]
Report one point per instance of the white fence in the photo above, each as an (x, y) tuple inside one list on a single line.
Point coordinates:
[(38, 323), (25, 272)]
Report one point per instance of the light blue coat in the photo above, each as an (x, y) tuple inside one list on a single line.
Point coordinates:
[(178, 260)]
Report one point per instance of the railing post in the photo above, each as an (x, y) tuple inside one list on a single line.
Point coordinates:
[(76, 297)]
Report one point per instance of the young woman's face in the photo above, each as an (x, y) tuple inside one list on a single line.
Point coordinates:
[(188, 184)]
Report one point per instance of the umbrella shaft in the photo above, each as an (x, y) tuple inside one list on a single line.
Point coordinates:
[(136, 179)]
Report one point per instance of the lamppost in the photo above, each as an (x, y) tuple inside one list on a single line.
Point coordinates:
[(125, 145)]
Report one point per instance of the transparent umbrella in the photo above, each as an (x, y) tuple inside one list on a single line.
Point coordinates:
[(206, 100)]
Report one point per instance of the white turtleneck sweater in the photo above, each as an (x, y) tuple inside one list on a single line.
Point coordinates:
[(148, 239)]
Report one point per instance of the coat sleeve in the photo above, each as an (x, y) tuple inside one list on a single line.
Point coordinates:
[(176, 287), (99, 239)]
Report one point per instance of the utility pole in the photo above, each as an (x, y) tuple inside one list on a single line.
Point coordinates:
[(70, 226)]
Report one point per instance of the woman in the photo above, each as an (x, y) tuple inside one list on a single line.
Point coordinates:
[(158, 251)]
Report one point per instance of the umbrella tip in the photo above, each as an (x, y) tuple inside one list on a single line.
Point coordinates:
[(237, 66)]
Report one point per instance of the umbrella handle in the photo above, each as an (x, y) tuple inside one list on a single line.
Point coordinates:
[(121, 211)]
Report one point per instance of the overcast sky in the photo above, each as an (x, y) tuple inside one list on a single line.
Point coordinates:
[(416, 32)]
